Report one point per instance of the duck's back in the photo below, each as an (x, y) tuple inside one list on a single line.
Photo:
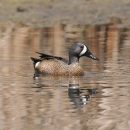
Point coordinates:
[(57, 67)]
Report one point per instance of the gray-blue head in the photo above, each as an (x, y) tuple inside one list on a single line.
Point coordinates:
[(78, 50)]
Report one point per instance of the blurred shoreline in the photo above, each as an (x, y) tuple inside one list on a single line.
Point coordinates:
[(41, 13)]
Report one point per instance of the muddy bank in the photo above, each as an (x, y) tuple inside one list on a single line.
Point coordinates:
[(53, 12)]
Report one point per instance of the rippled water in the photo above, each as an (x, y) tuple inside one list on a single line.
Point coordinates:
[(97, 101)]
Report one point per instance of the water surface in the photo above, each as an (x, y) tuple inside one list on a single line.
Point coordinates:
[(97, 101)]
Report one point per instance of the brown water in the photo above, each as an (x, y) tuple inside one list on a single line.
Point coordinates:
[(98, 101)]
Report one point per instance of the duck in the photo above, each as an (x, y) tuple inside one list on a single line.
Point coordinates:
[(53, 65)]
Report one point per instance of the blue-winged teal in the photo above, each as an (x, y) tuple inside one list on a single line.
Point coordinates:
[(52, 65)]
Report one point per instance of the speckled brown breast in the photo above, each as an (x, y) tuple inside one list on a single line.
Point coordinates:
[(56, 67)]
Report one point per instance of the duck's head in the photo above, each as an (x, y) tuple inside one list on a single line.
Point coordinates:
[(78, 50)]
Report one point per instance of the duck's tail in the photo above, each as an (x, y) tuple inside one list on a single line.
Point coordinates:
[(35, 61)]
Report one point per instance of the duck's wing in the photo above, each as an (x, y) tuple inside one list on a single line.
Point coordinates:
[(45, 56)]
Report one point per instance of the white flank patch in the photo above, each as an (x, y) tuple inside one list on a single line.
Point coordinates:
[(37, 64), (83, 51)]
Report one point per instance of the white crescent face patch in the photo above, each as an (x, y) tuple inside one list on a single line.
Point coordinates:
[(83, 51)]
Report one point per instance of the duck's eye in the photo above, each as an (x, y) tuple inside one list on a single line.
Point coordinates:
[(82, 47)]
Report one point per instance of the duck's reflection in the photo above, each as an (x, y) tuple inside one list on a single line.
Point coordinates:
[(76, 93), (77, 97)]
